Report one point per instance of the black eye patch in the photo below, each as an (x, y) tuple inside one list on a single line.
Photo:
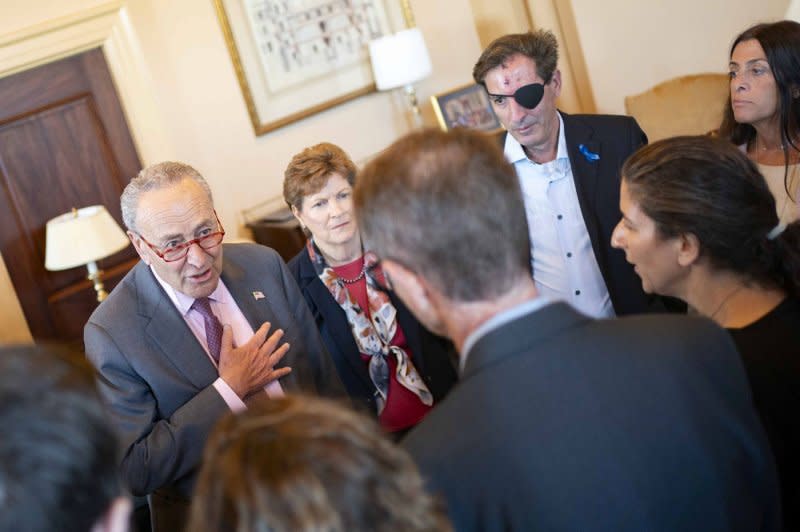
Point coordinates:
[(528, 96)]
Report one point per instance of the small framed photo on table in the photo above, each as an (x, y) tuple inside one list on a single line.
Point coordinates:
[(466, 106)]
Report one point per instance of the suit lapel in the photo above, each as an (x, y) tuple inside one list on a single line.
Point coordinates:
[(247, 294), (585, 174), (336, 322), (168, 330)]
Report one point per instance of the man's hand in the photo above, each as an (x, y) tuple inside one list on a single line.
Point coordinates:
[(250, 367)]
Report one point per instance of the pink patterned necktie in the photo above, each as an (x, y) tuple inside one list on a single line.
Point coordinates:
[(212, 325)]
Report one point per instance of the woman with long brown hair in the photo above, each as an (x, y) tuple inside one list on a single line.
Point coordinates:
[(763, 112)]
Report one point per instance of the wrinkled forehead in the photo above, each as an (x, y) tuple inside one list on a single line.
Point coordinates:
[(184, 203), (322, 185), (514, 72)]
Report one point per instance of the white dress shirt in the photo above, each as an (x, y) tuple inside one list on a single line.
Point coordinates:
[(563, 261), (228, 313)]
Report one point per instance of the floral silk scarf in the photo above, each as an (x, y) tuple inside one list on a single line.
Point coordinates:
[(373, 334)]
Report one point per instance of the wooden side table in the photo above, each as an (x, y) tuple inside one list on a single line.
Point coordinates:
[(281, 231)]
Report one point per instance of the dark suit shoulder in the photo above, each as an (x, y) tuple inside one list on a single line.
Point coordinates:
[(599, 118), (663, 338), (544, 424), (603, 123), (684, 329)]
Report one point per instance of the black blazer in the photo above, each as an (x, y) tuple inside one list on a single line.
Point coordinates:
[(613, 138), (433, 356)]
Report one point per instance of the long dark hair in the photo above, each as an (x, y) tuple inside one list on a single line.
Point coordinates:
[(781, 44), (709, 188)]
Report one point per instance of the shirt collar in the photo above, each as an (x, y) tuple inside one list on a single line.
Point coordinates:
[(498, 320), (183, 302), (514, 152)]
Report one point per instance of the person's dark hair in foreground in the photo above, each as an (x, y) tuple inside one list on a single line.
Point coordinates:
[(699, 223), (58, 454), (305, 464), (559, 421)]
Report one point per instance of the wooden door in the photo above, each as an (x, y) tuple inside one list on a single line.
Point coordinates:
[(64, 143)]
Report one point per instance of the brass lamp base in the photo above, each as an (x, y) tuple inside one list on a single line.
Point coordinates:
[(413, 104), (96, 276)]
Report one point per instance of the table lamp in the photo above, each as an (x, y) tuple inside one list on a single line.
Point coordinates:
[(400, 60), (82, 237)]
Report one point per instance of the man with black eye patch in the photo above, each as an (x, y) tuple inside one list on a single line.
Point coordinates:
[(568, 167)]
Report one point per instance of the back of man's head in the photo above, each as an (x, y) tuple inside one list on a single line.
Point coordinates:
[(302, 463), (58, 455), (447, 206)]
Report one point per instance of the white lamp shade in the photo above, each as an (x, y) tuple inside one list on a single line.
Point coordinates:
[(400, 59), (82, 236)]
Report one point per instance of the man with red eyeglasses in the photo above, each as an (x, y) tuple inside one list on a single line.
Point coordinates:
[(186, 336)]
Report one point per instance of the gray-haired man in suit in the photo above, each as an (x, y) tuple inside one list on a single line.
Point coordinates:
[(186, 337), (559, 421)]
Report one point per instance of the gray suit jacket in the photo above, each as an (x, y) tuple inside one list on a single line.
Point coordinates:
[(560, 422), (157, 379)]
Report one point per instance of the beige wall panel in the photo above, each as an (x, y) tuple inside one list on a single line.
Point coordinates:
[(631, 45), (183, 102), (494, 18)]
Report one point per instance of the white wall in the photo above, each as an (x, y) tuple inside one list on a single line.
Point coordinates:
[(793, 12), (183, 101), (199, 115), (631, 45), (206, 119), (495, 18), (190, 108)]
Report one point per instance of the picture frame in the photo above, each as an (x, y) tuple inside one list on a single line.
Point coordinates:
[(296, 58), (466, 106)]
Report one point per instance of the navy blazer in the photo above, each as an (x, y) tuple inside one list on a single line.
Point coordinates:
[(433, 356)]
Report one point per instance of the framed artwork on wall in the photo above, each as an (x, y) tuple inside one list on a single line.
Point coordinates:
[(466, 106), (295, 58)]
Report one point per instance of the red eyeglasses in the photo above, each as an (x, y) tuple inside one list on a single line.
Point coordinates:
[(179, 251)]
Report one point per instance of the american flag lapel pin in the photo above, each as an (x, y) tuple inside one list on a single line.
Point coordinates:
[(258, 295)]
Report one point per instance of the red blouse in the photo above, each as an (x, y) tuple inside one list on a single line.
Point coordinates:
[(403, 408)]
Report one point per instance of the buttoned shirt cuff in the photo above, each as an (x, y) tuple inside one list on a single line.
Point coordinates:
[(229, 396)]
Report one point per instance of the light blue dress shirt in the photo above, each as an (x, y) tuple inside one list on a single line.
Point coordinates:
[(564, 265)]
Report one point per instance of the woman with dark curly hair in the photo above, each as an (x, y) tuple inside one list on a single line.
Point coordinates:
[(699, 223), (763, 111)]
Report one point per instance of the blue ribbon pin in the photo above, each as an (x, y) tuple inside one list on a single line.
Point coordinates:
[(590, 156)]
